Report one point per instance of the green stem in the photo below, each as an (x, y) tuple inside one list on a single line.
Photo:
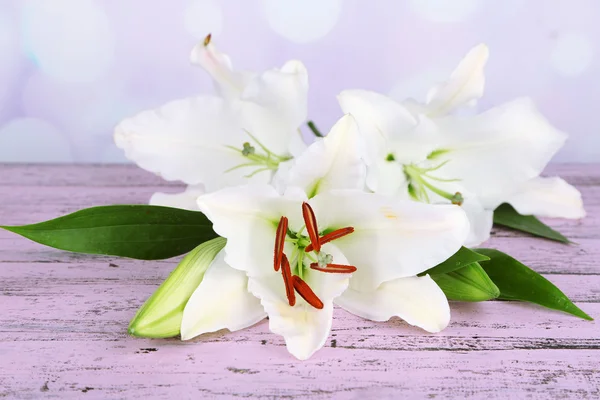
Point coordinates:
[(314, 129)]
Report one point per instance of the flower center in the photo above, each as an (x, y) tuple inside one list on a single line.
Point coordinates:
[(306, 247), (260, 160)]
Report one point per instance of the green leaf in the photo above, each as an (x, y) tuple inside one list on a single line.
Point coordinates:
[(461, 258), (506, 215), (469, 283), (136, 231), (161, 314), (518, 282)]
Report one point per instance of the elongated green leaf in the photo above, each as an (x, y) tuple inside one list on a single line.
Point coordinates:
[(136, 231), (161, 314), (461, 258), (518, 282), (469, 283), (506, 215)]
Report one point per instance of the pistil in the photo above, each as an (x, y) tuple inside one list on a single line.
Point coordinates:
[(263, 161), (419, 184)]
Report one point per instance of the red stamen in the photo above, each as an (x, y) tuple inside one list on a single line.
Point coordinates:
[(280, 241), (287, 279), (311, 225), (334, 268), (306, 292), (331, 236)]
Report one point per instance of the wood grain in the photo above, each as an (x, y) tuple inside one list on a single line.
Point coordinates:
[(63, 319)]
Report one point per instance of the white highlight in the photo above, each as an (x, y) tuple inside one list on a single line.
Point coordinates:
[(302, 21), (72, 40), (572, 54)]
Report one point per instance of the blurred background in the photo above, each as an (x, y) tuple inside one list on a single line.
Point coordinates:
[(70, 70)]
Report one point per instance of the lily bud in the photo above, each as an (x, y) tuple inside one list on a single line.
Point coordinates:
[(161, 314)]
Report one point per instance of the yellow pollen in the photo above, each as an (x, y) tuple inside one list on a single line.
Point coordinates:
[(388, 213)]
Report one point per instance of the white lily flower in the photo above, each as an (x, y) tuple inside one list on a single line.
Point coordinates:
[(419, 151), (301, 253), (218, 141)]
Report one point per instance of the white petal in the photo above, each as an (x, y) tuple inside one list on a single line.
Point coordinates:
[(548, 197), (495, 152), (185, 140), (304, 328), (274, 105), (387, 178), (378, 117), (331, 163), (480, 220), (392, 238), (187, 200), (388, 128), (221, 301), (229, 83), (247, 216), (417, 300), (465, 85)]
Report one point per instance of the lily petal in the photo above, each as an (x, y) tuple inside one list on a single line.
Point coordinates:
[(387, 178), (497, 151), (186, 140), (379, 119), (417, 300), (480, 220), (304, 328), (274, 105), (186, 200), (331, 163), (465, 85), (221, 301), (229, 83), (248, 217), (392, 238), (548, 197)]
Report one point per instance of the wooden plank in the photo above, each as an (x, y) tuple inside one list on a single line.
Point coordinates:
[(103, 313), (138, 369)]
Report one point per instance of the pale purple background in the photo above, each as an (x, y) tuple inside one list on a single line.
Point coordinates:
[(71, 69)]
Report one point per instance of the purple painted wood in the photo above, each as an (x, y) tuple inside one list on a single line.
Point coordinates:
[(63, 319)]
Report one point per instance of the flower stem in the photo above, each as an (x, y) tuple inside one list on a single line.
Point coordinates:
[(314, 129)]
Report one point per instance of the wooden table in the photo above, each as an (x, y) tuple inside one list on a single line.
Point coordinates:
[(63, 319)]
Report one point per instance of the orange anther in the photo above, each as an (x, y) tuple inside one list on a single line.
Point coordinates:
[(311, 225), (334, 268), (331, 236), (306, 292), (287, 279), (280, 241)]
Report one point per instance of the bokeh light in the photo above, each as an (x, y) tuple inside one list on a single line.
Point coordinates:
[(70, 40), (302, 21), (572, 53)]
